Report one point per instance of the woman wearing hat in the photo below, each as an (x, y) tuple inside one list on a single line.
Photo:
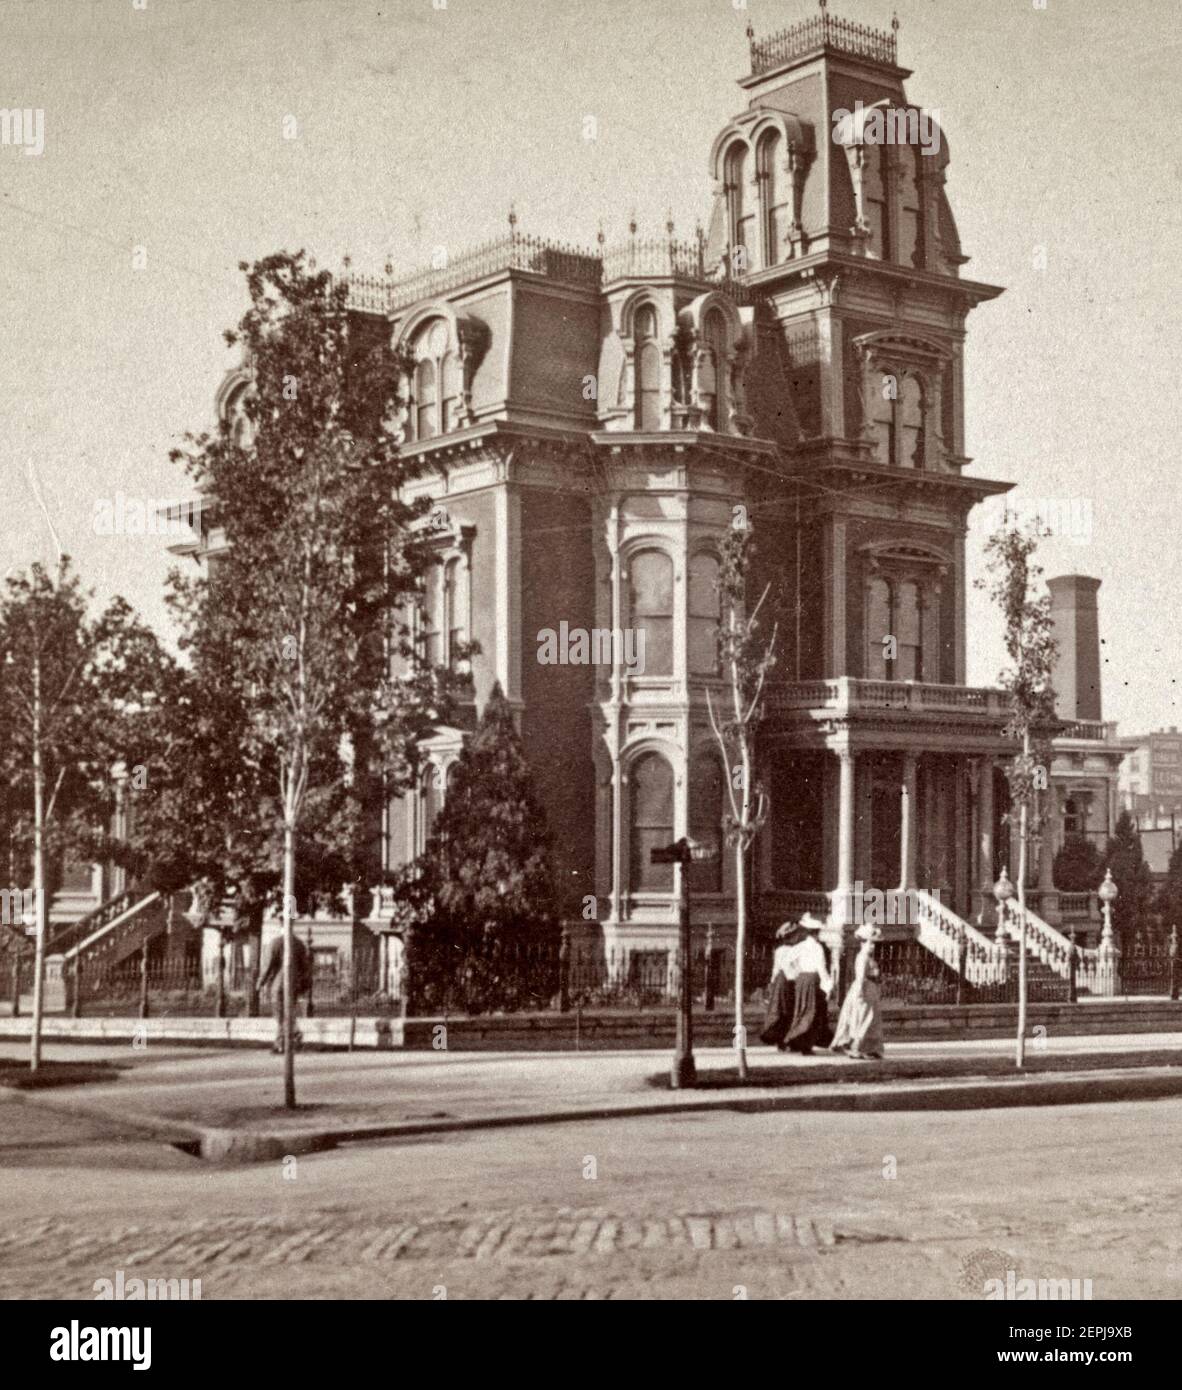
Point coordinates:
[(859, 1025), (798, 1007)]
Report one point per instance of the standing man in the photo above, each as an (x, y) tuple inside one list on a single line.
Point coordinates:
[(273, 970)]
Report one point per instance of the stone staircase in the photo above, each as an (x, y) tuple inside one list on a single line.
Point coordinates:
[(986, 962), (100, 941)]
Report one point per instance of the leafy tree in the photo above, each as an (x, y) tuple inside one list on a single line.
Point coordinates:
[(1031, 649), (485, 881), (1168, 904), (747, 654), (1134, 881), (307, 607), (71, 685), (1079, 865)]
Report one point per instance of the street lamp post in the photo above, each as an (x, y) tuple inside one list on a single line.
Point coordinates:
[(1003, 891), (1109, 948), (683, 853)]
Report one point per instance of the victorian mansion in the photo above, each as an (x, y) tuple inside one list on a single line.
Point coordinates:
[(596, 422)]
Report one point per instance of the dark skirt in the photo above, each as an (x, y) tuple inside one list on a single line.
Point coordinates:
[(780, 1011), (810, 1016)]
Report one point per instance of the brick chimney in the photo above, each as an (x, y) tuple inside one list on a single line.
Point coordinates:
[(1076, 619)]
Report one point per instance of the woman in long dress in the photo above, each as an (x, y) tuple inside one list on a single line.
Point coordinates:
[(797, 1015), (782, 990), (859, 1025)]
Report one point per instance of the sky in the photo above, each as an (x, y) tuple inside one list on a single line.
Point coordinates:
[(184, 136)]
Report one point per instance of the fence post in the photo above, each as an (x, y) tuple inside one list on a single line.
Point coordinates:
[(144, 979), (1174, 962), (311, 1009), (408, 1000), (16, 982), (564, 971), (708, 1003), (220, 1007), (962, 962), (1072, 967), (76, 1001)]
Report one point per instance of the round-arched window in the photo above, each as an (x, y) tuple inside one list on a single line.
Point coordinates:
[(650, 784)]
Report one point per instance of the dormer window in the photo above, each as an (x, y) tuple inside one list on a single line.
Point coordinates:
[(913, 241), (713, 371), (773, 201), (647, 359), (435, 384), (736, 196)]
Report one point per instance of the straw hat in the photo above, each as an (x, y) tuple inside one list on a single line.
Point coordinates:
[(869, 932), (811, 923), (786, 929)]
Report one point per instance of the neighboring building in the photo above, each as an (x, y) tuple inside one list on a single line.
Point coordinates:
[(1087, 752), (1151, 779)]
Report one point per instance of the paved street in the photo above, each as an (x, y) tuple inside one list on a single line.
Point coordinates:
[(697, 1206)]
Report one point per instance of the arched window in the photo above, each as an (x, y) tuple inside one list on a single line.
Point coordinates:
[(650, 785), (876, 174), (704, 612), (450, 376), (736, 195), (454, 625), (647, 356), (241, 430), (712, 378), (425, 402), (430, 630), (706, 810), (770, 184), (911, 409), (650, 605), (436, 385), (912, 238), (432, 798)]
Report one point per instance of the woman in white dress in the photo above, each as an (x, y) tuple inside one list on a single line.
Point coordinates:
[(859, 1025)]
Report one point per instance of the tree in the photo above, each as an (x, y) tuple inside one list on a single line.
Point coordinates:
[(71, 684), (486, 876), (1031, 650), (308, 603), (1168, 904), (747, 656), (1079, 865), (1134, 882)]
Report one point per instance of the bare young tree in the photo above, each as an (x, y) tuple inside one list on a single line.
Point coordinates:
[(746, 658), (1030, 647)]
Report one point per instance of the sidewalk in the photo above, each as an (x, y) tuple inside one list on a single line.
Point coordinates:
[(226, 1104)]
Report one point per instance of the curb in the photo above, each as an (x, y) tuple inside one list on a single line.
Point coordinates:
[(218, 1145)]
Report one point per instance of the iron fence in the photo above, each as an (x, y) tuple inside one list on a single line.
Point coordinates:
[(1149, 970), (539, 977)]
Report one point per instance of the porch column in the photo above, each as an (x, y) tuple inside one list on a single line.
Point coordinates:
[(907, 827), (845, 826), (1048, 897), (838, 932), (984, 775)]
